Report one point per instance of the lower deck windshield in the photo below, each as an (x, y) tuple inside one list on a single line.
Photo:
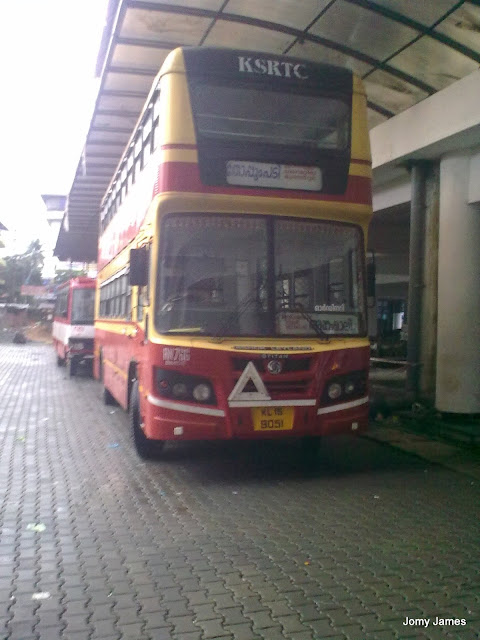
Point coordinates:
[(227, 275)]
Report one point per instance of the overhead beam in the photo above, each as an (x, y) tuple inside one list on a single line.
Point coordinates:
[(134, 71), (123, 93), (152, 44), (117, 113)]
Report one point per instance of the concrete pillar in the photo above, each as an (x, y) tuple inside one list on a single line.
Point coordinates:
[(428, 346), (458, 344), (415, 270)]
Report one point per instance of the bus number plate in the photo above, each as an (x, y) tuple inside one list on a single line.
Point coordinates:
[(272, 418)]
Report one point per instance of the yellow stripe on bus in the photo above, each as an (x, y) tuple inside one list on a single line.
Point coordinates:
[(114, 367)]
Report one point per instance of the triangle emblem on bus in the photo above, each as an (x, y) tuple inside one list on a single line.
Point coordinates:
[(250, 374)]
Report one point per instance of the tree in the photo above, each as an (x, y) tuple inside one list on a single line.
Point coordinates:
[(62, 275), (24, 268)]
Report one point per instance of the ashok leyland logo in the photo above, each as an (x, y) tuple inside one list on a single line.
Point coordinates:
[(268, 67)]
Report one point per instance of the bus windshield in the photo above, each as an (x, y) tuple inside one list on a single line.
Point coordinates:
[(226, 275), (254, 115), (83, 303)]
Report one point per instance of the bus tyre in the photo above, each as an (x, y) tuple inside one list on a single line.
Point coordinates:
[(145, 448)]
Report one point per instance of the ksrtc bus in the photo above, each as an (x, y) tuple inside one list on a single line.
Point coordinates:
[(73, 329), (231, 288)]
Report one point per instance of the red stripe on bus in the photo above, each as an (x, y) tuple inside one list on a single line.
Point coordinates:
[(184, 176), (358, 161), (166, 147)]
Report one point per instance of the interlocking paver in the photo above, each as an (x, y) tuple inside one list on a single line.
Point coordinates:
[(262, 620), (205, 612), (184, 624), (212, 628), (51, 632), (216, 541), (198, 598), (242, 632), (104, 627), (195, 635), (252, 604), (302, 635)]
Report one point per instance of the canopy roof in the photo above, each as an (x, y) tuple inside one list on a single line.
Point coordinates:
[(405, 51)]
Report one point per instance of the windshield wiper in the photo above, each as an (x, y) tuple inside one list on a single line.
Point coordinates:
[(236, 314), (186, 330)]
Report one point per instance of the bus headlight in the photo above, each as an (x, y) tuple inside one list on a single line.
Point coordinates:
[(181, 386), (334, 391), (349, 386), (202, 392), (180, 390)]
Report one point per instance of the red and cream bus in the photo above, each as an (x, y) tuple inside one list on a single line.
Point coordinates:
[(231, 287), (73, 329)]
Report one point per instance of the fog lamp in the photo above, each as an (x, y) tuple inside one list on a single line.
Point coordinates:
[(179, 390), (349, 387)]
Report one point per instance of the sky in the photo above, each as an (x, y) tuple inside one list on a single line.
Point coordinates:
[(48, 52)]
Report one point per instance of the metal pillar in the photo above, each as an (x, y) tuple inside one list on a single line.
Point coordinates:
[(416, 284)]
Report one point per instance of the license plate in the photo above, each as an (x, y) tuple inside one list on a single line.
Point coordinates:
[(272, 418)]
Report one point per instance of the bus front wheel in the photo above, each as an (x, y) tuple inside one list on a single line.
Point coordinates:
[(145, 448)]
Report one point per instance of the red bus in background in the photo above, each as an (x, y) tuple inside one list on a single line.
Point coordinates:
[(73, 329)]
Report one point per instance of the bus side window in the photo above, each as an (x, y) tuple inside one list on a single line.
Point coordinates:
[(60, 305), (143, 292), (156, 122), (140, 303), (64, 305), (128, 300), (147, 137)]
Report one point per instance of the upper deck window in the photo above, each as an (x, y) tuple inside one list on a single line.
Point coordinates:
[(261, 116), (275, 111)]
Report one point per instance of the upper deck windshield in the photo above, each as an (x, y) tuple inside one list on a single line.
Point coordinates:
[(278, 112), (260, 116), (257, 276), (83, 303)]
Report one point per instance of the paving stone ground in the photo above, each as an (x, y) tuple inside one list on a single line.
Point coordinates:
[(230, 541)]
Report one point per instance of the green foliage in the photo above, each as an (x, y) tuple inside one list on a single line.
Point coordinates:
[(62, 275), (24, 268)]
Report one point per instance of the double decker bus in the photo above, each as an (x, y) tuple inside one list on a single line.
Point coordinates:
[(73, 328), (231, 286)]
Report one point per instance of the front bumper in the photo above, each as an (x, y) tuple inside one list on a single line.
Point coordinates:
[(168, 420)]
